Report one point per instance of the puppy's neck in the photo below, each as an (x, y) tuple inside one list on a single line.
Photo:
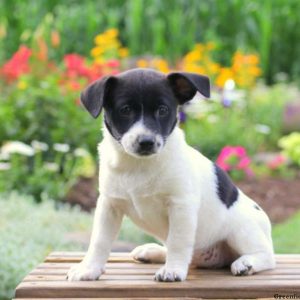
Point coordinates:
[(112, 152)]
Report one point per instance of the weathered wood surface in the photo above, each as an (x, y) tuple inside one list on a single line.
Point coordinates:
[(126, 279)]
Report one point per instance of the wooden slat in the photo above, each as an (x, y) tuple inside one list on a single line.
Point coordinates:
[(202, 272), (129, 280), (49, 277), (185, 298), (236, 287), (125, 257)]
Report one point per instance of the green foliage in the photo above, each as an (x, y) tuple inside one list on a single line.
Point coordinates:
[(42, 112), (29, 232), (156, 27), (286, 236), (254, 123), (291, 147)]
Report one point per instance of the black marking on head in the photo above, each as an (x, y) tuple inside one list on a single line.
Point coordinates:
[(143, 93), (257, 207), (227, 191)]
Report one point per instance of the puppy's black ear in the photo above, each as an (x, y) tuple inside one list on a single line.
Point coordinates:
[(93, 96), (185, 85)]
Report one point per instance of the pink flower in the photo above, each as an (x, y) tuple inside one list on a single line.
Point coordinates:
[(234, 158), (277, 162)]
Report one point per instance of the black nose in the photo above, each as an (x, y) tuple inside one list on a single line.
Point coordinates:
[(146, 143)]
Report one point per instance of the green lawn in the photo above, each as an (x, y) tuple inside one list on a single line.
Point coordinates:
[(286, 236)]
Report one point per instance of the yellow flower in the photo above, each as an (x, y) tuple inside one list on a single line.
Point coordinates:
[(111, 33), (193, 56), (22, 85), (161, 65), (123, 52), (213, 68), (142, 63), (224, 75), (100, 39), (97, 51)]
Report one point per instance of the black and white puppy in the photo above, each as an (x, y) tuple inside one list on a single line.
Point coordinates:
[(149, 173)]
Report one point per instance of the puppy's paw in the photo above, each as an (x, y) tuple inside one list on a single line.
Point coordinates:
[(242, 266), (170, 274), (83, 272), (149, 253)]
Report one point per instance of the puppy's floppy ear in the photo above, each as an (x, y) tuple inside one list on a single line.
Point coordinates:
[(93, 96), (185, 85)]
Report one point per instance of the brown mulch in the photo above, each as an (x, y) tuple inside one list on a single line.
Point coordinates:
[(278, 197)]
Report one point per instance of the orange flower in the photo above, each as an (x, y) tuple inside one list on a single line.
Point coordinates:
[(42, 53), (142, 63), (55, 39)]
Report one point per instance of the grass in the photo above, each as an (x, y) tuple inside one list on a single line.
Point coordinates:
[(286, 236)]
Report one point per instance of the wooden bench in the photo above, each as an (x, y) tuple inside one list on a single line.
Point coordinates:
[(125, 278)]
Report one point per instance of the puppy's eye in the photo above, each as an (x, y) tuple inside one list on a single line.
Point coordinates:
[(125, 111), (163, 111)]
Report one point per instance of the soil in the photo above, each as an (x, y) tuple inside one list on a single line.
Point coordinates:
[(280, 198)]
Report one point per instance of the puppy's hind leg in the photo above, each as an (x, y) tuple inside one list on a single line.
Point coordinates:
[(255, 250), (150, 253)]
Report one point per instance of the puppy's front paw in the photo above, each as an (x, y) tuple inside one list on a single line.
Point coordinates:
[(241, 267), (170, 274), (84, 272)]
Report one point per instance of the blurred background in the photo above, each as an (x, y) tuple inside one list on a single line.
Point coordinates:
[(50, 50)]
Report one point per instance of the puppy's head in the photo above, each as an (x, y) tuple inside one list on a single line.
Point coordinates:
[(140, 105)]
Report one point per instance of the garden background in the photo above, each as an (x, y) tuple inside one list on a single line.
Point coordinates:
[(50, 50)]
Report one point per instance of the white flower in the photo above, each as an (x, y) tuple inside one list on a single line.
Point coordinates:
[(4, 166), (262, 128), (39, 146), (80, 152), (64, 148), (4, 156), (17, 147), (51, 166)]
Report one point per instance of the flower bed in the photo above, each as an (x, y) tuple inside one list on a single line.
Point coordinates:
[(48, 141)]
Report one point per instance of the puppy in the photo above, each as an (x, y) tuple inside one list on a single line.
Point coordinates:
[(149, 173)]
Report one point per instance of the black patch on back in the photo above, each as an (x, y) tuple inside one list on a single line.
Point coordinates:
[(227, 191)]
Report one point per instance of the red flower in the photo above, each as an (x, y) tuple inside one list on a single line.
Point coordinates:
[(113, 63), (75, 65), (17, 65)]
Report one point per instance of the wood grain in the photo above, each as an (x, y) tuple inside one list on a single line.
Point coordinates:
[(125, 279)]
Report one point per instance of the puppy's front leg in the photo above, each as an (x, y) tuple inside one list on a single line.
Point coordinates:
[(180, 242), (107, 222)]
